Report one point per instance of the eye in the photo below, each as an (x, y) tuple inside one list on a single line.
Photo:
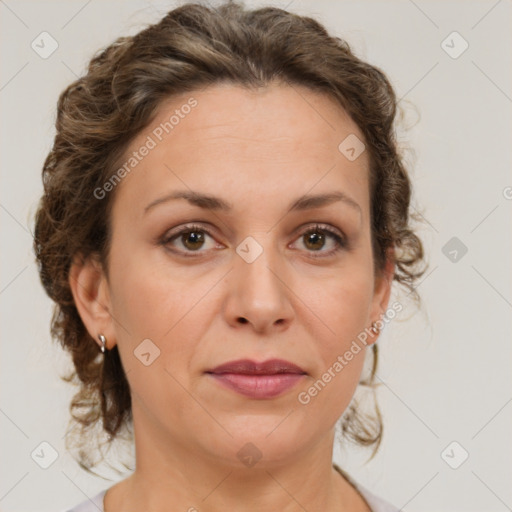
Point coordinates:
[(189, 239), (315, 239), (192, 238)]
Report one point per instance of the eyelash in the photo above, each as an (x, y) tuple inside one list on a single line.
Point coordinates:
[(340, 241)]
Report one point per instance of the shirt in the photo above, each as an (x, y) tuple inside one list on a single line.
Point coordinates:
[(375, 503)]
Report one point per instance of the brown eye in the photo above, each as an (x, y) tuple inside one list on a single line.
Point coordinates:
[(189, 240), (192, 240), (314, 240), (317, 238)]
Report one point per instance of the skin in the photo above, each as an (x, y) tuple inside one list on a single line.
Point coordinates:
[(259, 151)]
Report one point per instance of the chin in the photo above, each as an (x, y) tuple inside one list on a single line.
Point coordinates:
[(260, 442)]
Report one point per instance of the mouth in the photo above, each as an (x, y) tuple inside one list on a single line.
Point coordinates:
[(267, 379)]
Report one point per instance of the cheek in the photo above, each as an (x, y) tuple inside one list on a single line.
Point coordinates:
[(158, 303), (328, 395), (153, 312), (149, 298), (343, 304)]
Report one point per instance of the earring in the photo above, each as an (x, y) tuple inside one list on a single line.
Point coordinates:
[(103, 342), (375, 329)]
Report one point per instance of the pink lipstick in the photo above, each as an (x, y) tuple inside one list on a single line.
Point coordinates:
[(267, 379)]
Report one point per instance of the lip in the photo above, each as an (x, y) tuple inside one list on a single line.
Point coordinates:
[(267, 379), (249, 367)]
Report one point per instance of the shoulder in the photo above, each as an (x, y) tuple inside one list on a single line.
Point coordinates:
[(94, 504), (375, 503)]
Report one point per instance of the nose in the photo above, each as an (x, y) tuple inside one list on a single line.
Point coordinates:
[(258, 294)]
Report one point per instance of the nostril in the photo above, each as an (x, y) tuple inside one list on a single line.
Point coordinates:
[(242, 320)]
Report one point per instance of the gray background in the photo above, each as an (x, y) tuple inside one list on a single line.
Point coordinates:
[(445, 369)]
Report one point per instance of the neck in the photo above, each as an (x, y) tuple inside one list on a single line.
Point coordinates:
[(174, 473)]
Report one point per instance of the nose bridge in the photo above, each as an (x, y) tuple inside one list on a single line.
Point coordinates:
[(259, 265), (258, 292)]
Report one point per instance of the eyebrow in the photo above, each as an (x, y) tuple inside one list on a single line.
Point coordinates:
[(209, 202)]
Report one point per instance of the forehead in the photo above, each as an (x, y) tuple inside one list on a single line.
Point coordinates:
[(277, 140), (277, 112)]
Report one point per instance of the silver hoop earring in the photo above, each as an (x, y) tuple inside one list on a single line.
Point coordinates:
[(103, 342), (375, 328)]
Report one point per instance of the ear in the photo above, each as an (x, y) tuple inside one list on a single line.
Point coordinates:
[(381, 294), (90, 290)]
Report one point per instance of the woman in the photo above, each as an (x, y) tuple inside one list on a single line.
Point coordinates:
[(224, 214)]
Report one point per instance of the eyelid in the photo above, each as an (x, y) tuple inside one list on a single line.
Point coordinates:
[(321, 226), (339, 237), (335, 233), (177, 232)]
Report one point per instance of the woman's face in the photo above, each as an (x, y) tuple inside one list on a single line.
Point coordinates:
[(194, 284)]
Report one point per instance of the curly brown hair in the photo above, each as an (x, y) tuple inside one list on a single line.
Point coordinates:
[(100, 113)]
